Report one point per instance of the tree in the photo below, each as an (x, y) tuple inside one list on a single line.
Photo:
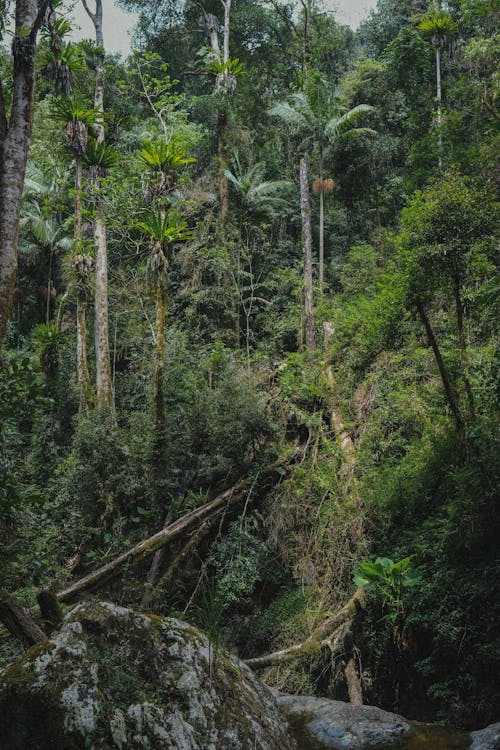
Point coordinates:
[(50, 235), (104, 385), (164, 229), (446, 230), (15, 135), (438, 26), (319, 118)]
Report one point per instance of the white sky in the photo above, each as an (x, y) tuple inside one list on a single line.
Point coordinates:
[(117, 23)]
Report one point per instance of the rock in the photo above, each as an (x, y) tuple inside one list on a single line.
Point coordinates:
[(486, 739), (342, 726), (111, 678)]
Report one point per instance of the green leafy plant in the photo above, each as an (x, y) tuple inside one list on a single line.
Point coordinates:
[(389, 580)]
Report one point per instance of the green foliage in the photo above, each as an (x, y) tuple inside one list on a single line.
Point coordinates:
[(438, 26), (389, 580), (164, 156), (240, 561)]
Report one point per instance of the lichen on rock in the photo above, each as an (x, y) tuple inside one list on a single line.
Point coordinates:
[(111, 678)]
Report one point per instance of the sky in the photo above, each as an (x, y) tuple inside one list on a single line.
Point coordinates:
[(117, 23)]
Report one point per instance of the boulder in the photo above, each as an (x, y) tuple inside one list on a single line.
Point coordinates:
[(114, 679), (342, 726), (486, 739)]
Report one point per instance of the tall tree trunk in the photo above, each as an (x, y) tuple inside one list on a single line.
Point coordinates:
[(104, 383), (449, 386), (222, 180), (439, 99), (15, 136), (305, 206), (82, 369), (321, 239), (81, 353), (464, 354), (159, 401)]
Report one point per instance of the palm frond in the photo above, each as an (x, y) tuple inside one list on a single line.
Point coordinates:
[(339, 124), (293, 117)]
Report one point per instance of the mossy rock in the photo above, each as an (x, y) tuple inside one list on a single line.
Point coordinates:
[(113, 678)]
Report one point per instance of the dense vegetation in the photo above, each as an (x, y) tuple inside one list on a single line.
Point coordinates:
[(283, 239)]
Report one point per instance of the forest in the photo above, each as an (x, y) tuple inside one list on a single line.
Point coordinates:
[(249, 327)]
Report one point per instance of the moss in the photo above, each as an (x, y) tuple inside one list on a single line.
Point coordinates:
[(17, 672)]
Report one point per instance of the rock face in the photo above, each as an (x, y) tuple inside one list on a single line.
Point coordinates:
[(114, 679), (486, 739), (342, 726)]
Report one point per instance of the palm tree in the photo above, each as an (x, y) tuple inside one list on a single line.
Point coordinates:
[(319, 117), (164, 229), (438, 26), (50, 236), (257, 195)]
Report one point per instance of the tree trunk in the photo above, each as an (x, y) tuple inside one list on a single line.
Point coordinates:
[(449, 386), (353, 683), (318, 639), (77, 230), (223, 182), (104, 386), (15, 136), (321, 240), (51, 611), (227, 27), (104, 383), (305, 207), (153, 543), (18, 622), (464, 354), (159, 401), (81, 353), (439, 99)]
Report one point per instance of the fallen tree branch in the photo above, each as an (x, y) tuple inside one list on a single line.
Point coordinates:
[(176, 563), (18, 622), (319, 637), (149, 546)]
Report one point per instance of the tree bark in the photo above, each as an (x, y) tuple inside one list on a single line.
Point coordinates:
[(222, 180), (353, 683), (159, 401), (321, 240), (14, 146), (449, 386), (183, 555), (319, 637), (464, 354), (50, 609), (104, 382), (18, 622), (153, 543), (305, 206)]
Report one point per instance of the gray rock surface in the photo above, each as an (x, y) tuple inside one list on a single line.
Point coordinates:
[(486, 739), (111, 678), (342, 726)]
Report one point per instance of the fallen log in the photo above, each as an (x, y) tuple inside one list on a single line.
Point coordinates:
[(319, 637), (50, 609), (183, 555), (159, 555), (18, 622), (149, 546)]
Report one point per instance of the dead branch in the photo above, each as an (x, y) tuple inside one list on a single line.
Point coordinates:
[(149, 546), (320, 636), (18, 622)]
